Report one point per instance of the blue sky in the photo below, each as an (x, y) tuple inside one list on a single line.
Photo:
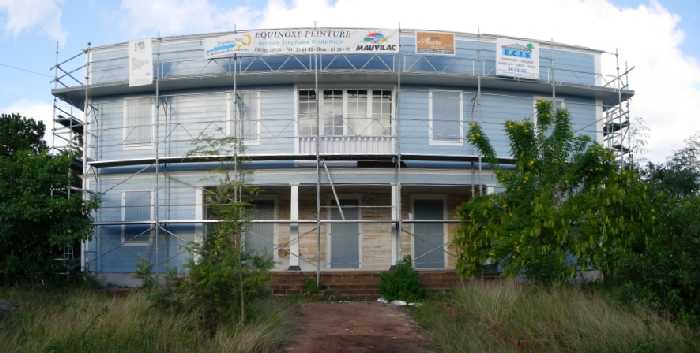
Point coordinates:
[(647, 32)]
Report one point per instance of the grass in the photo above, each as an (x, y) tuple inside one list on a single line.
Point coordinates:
[(504, 317), (85, 320)]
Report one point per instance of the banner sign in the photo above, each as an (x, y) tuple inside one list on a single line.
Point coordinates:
[(140, 62), (303, 41), (517, 58), (436, 43)]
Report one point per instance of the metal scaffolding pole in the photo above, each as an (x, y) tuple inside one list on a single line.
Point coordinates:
[(397, 146), (85, 135), (157, 158), (318, 172)]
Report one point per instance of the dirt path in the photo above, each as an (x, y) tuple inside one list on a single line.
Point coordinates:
[(357, 328)]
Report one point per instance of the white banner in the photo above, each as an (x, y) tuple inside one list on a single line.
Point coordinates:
[(140, 62), (303, 41), (517, 58)]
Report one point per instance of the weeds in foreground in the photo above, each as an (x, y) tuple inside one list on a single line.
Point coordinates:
[(82, 320), (505, 317)]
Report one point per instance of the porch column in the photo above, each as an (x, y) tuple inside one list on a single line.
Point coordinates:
[(396, 225), (294, 228)]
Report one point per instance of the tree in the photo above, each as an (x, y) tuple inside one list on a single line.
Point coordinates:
[(37, 216), (548, 222), (222, 277), (19, 133)]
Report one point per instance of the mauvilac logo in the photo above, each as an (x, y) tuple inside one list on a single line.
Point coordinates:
[(518, 50), (375, 41)]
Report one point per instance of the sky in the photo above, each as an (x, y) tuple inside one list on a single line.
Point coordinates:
[(660, 38)]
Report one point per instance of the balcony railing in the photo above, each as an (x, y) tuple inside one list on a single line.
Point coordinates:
[(347, 144)]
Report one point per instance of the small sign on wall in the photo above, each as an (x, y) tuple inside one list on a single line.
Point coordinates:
[(436, 43), (517, 58), (140, 62)]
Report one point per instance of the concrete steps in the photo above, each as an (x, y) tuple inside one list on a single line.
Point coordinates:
[(354, 285)]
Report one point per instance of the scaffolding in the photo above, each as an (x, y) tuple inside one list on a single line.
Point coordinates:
[(81, 130)]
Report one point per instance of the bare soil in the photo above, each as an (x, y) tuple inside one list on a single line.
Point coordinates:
[(357, 327)]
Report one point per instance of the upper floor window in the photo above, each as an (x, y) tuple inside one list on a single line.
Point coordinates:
[(138, 122), (137, 206), (559, 104), (246, 116), (351, 112), (445, 117)]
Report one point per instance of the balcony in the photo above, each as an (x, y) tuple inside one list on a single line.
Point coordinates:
[(347, 145)]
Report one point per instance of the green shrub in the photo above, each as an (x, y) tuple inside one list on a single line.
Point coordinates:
[(401, 283)]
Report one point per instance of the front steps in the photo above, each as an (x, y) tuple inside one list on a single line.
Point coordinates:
[(354, 285)]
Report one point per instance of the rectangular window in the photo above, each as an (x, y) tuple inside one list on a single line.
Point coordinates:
[(136, 206), (138, 122), (559, 103), (381, 113), (357, 108), (332, 112), (446, 117), (307, 112), (352, 112), (248, 114)]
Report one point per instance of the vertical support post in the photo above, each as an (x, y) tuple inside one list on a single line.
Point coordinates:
[(86, 128), (396, 188), (157, 160), (294, 228), (477, 106), (395, 211), (318, 172)]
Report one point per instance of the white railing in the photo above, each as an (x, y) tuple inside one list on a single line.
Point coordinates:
[(347, 144)]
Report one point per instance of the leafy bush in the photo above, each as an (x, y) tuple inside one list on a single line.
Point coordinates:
[(567, 206), (401, 283), (38, 217)]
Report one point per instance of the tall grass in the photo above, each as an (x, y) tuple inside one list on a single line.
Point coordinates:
[(504, 317), (83, 320)]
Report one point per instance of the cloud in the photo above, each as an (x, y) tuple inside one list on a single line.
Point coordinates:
[(35, 110), (168, 17), (30, 15)]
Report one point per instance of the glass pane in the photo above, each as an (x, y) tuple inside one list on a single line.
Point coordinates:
[(381, 113), (307, 113), (137, 207), (139, 127), (446, 116), (249, 114), (332, 113), (358, 121)]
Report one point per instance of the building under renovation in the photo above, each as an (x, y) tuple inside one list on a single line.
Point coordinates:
[(354, 138)]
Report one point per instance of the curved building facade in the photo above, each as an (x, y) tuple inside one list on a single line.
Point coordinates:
[(355, 138)]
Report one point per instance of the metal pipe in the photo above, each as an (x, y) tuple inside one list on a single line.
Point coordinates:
[(279, 221), (318, 172), (157, 157)]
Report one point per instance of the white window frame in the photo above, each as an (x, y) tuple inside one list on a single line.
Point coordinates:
[(438, 142), (258, 120), (329, 213), (275, 228), (125, 242), (445, 229), (125, 126), (369, 109), (536, 99)]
